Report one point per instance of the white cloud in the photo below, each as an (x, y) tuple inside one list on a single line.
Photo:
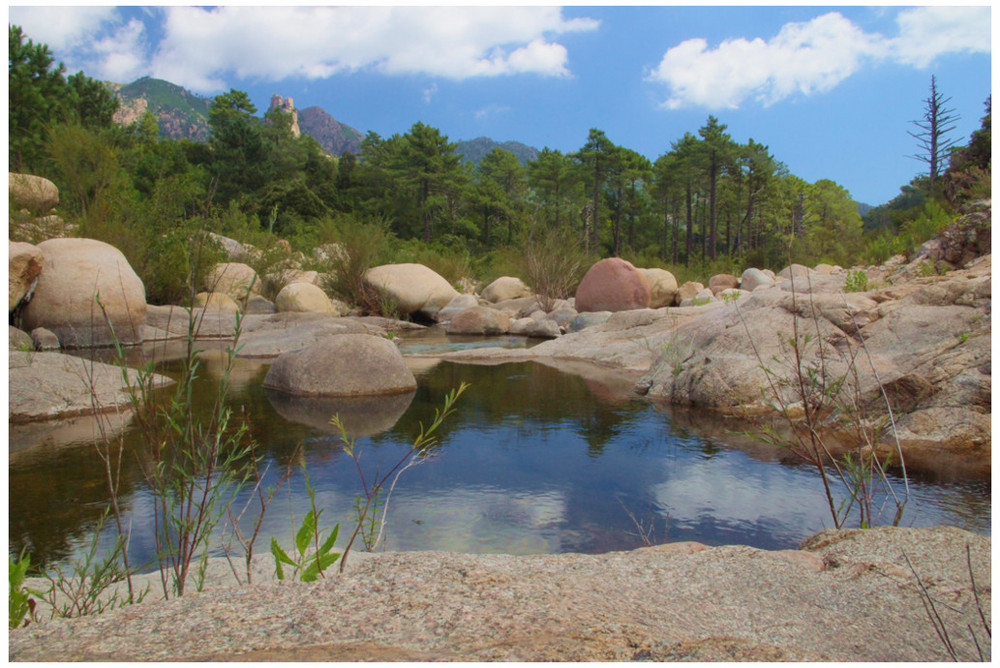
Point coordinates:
[(811, 57), (61, 28), (202, 45), (928, 32), (430, 92)]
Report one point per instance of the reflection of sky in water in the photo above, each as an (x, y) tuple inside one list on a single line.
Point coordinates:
[(533, 461)]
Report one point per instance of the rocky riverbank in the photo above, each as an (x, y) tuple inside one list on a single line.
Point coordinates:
[(844, 596)]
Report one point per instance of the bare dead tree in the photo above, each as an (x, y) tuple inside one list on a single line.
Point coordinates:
[(937, 122)]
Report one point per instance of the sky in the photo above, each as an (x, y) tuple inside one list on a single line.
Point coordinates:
[(832, 90)]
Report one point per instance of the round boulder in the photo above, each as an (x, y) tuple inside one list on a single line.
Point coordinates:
[(689, 290), (304, 298), (662, 287), (215, 301), (612, 284), (34, 193), (342, 365), (721, 282), (413, 287), (74, 273), (234, 279), (754, 278), (505, 287)]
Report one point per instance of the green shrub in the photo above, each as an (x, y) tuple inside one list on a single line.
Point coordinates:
[(857, 281)]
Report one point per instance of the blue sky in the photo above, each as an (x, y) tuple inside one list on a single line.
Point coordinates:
[(831, 90)]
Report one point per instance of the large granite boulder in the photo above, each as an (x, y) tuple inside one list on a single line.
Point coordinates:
[(413, 287), (505, 287), (305, 298), (662, 287), (234, 249), (612, 284), (75, 272), (343, 365), (234, 279), (689, 290), (24, 264), (215, 301), (34, 193)]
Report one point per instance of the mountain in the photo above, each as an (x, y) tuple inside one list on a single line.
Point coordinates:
[(331, 134), (180, 113), (476, 149)]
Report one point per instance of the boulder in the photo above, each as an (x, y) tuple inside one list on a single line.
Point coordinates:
[(34, 193), (456, 306), (505, 287), (413, 287), (612, 284), (703, 297), (44, 339), (721, 282), (304, 298), (662, 287), (342, 365), (300, 276), (755, 278), (234, 279), (20, 340), (689, 290), (215, 301), (74, 272), (233, 248), (539, 329), (795, 271), (479, 320), (24, 264)]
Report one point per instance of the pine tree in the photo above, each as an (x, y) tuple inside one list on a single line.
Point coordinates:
[(937, 122)]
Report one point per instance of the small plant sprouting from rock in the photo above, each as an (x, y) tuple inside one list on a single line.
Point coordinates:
[(21, 605), (308, 564), (857, 281)]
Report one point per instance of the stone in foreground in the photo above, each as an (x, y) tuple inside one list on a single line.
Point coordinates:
[(342, 365), (74, 273)]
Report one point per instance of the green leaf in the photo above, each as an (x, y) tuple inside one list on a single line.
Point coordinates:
[(328, 543), (279, 554), (306, 532), (321, 563)]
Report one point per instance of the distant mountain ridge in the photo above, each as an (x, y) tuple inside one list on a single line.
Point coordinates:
[(474, 150), (180, 113), (183, 115), (330, 133)]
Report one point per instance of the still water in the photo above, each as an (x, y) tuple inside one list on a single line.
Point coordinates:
[(535, 460)]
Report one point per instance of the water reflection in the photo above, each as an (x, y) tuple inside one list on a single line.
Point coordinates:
[(535, 460), (361, 416)]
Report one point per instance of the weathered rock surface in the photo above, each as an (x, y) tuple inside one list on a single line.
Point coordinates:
[(234, 279), (345, 365), (24, 264), (843, 596), (505, 287), (44, 339), (46, 385), (233, 248), (215, 301), (456, 306), (688, 290), (19, 340), (305, 298), (721, 282), (612, 284), (539, 329), (413, 287), (662, 287), (754, 278), (74, 273), (34, 193), (479, 320)]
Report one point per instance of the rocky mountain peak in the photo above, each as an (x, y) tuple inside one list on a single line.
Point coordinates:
[(286, 105)]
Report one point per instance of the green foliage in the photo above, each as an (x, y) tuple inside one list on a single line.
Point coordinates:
[(553, 264), (857, 281), (357, 246), (927, 225), (310, 557), (21, 605)]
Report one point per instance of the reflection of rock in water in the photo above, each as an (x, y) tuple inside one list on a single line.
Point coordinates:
[(244, 372), (33, 441), (362, 416)]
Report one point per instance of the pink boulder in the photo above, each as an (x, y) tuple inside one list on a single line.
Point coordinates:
[(612, 284)]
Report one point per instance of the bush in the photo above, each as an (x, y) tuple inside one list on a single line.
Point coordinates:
[(360, 246), (553, 264)]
